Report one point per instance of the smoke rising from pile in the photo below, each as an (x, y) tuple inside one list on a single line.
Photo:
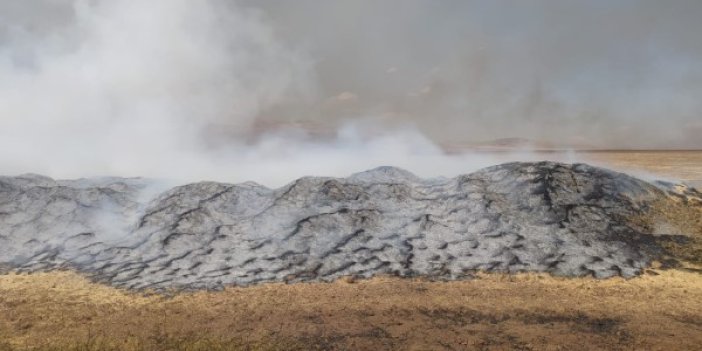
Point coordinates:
[(198, 89), (121, 86)]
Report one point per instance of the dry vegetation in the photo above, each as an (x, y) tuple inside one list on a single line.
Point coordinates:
[(677, 165), (61, 310)]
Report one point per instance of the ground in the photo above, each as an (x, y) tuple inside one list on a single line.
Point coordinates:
[(661, 310)]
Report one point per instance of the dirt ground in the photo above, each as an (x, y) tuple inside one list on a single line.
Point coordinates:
[(661, 310)]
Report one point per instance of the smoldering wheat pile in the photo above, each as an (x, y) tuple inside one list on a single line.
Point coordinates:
[(570, 220)]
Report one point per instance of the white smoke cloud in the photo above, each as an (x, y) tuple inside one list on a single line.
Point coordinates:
[(116, 85), (134, 88), (176, 89)]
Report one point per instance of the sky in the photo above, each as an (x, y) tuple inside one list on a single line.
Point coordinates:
[(270, 90), (623, 74)]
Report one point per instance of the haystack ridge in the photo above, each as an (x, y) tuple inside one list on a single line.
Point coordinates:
[(569, 220)]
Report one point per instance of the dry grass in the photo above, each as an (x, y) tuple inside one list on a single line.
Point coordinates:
[(62, 310), (677, 165)]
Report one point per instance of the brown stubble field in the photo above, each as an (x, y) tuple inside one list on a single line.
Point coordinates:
[(685, 165), (660, 310)]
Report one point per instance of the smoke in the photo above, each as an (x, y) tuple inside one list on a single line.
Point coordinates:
[(596, 74), (205, 89), (114, 86)]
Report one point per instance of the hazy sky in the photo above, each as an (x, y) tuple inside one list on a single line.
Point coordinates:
[(605, 73), (172, 87)]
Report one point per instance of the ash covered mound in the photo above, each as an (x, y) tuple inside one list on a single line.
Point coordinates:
[(569, 220)]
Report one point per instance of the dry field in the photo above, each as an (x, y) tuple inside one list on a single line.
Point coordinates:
[(675, 165), (660, 310)]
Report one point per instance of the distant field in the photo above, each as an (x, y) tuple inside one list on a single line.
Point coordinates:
[(661, 310), (682, 165)]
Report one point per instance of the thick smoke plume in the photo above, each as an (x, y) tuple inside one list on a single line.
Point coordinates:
[(129, 87), (200, 89)]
